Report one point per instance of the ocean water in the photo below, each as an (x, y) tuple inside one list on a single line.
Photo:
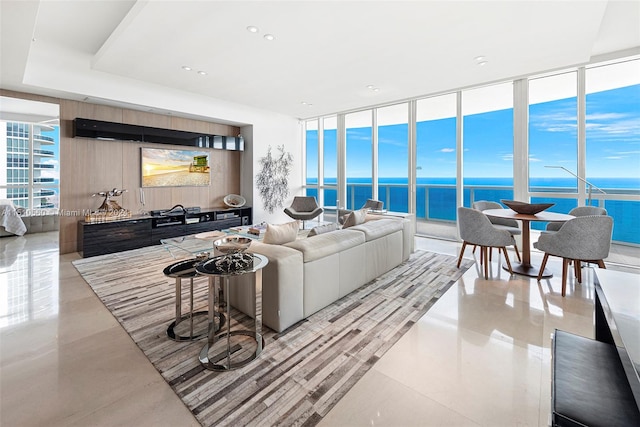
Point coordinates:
[(436, 197)]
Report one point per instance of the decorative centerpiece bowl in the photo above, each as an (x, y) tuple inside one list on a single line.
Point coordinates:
[(234, 200), (232, 244), (234, 258), (526, 208)]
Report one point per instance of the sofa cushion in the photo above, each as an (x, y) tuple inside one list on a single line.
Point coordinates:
[(325, 228), (375, 229), (281, 233), (327, 244), (355, 218)]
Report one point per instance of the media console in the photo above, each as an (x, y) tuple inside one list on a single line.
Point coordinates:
[(146, 230)]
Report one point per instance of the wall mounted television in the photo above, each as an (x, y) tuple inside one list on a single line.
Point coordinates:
[(174, 168)]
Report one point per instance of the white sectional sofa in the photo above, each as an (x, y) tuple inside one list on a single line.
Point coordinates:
[(309, 274)]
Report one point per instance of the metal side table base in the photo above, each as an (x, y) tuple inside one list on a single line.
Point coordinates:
[(221, 360), (229, 349), (186, 270)]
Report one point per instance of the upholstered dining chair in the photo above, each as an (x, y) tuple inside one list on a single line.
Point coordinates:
[(476, 229), (373, 204), (579, 211), (511, 225), (584, 238), (303, 208)]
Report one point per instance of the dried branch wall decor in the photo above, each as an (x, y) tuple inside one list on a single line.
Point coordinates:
[(273, 179)]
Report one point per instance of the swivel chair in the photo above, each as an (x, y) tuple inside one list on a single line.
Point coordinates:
[(303, 208)]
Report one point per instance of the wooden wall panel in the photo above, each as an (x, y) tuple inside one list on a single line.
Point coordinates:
[(143, 118), (88, 166)]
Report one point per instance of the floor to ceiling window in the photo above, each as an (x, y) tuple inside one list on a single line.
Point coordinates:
[(613, 143), (393, 157), (598, 143), (436, 158), (488, 143), (311, 154), (553, 140), (330, 156), (359, 160), (32, 177)]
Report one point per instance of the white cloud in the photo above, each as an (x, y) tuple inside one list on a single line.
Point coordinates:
[(447, 150)]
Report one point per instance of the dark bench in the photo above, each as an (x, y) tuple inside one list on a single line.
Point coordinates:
[(589, 384)]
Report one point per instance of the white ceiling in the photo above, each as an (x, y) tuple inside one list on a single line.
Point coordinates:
[(325, 53)]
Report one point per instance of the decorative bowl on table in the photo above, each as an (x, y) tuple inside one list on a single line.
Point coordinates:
[(234, 259), (232, 244), (210, 235), (526, 208), (234, 200)]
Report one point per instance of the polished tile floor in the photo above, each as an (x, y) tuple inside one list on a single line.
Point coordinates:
[(480, 356)]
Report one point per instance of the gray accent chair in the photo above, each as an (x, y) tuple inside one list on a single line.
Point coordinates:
[(579, 211), (584, 238), (476, 229), (303, 208), (511, 225), (372, 204)]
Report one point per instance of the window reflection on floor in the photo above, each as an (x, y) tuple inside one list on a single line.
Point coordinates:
[(29, 269)]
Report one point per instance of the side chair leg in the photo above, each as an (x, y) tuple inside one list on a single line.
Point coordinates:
[(506, 258), (486, 263), (464, 245), (565, 267), (544, 264), (515, 246), (601, 264), (577, 270)]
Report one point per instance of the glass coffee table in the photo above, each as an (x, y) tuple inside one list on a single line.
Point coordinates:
[(200, 244)]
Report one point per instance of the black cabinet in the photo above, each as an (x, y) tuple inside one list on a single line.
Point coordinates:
[(108, 237), (104, 238)]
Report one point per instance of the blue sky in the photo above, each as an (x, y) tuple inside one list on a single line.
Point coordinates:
[(613, 142)]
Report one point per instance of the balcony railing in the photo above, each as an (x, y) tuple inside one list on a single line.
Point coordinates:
[(46, 139), (438, 202), (47, 153)]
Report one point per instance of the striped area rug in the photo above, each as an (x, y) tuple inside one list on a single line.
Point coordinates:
[(303, 371)]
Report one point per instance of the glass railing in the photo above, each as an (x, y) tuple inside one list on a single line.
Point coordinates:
[(43, 152), (42, 138), (437, 202)]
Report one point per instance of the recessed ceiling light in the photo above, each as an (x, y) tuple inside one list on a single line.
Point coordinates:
[(269, 37), (186, 68), (252, 29), (370, 86), (202, 73), (375, 89), (480, 58), (306, 103), (482, 63)]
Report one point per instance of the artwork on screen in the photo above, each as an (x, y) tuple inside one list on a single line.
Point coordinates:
[(174, 168)]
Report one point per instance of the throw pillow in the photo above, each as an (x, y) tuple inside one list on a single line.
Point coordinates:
[(355, 218), (278, 234), (323, 229)]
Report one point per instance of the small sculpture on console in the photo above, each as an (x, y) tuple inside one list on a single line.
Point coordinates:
[(108, 204), (109, 210)]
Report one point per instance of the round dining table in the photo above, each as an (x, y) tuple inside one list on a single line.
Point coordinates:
[(525, 267)]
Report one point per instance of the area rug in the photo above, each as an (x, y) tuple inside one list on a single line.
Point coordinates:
[(303, 371)]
